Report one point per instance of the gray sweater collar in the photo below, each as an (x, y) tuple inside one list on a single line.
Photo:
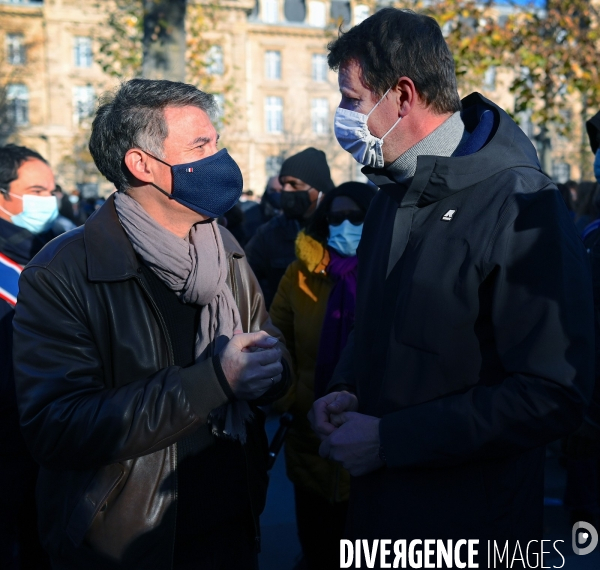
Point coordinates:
[(443, 141)]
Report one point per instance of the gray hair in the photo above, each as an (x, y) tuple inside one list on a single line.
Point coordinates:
[(133, 117)]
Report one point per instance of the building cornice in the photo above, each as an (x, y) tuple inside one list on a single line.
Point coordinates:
[(284, 29), (21, 10), (245, 5)]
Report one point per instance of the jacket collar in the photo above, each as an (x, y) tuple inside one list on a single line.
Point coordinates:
[(438, 177), (110, 255), (19, 244)]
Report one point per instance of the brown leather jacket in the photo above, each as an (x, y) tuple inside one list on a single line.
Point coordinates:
[(102, 405)]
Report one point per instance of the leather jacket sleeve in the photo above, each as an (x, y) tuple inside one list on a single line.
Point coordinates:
[(283, 317), (254, 316), (62, 393)]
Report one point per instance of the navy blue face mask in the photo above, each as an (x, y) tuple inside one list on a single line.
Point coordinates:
[(210, 186)]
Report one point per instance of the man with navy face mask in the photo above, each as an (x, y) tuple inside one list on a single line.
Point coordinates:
[(471, 350), (143, 349)]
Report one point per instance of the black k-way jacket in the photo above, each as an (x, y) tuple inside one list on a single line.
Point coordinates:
[(474, 343), (101, 404)]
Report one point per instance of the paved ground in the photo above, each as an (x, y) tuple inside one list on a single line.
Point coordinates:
[(281, 549), (280, 546)]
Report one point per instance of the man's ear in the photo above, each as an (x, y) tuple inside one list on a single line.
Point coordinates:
[(406, 94), (137, 162)]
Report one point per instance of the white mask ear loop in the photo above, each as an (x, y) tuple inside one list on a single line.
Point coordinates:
[(14, 196), (386, 134), (376, 105)]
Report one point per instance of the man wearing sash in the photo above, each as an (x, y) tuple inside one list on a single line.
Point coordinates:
[(27, 210)]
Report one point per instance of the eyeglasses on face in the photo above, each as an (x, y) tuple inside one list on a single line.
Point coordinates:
[(355, 217)]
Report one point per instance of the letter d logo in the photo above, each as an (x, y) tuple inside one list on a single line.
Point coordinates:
[(579, 539)]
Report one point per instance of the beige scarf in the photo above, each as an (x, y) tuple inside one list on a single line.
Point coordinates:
[(195, 268)]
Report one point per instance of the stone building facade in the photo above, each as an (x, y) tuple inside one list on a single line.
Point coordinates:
[(267, 65), (49, 90)]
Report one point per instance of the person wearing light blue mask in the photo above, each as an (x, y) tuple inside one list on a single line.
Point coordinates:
[(29, 202), (314, 308), (345, 237), (27, 209)]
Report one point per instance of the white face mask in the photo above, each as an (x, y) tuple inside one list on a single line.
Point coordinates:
[(39, 212), (353, 134)]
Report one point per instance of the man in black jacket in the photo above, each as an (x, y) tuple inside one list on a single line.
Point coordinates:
[(304, 177), (473, 342), (582, 494), (142, 349)]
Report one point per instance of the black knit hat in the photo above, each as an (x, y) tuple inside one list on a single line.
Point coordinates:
[(593, 131), (310, 166)]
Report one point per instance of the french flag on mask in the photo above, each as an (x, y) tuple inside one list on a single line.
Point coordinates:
[(189, 170)]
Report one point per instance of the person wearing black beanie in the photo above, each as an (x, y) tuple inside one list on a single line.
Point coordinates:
[(305, 177)]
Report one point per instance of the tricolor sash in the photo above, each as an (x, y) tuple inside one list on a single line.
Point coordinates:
[(9, 279)]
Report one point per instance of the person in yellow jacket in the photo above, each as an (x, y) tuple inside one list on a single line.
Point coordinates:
[(314, 309)]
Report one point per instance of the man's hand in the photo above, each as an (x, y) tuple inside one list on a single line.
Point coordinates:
[(252, 364), (355, 444), (322, 410)]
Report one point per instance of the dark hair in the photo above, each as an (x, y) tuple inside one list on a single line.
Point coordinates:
[(401, 43), (11, 158), (362, 194), (133, 117)]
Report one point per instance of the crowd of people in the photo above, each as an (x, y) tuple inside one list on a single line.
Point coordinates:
[(430, 331)]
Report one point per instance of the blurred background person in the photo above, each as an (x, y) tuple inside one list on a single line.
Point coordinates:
[(66, 219), (28, 210), (233, 220), (304, 177), (582, 448), (65, 205), (573, 189), (253, 216), (567, 196), (270, 202), (586, 209), (314, 309)]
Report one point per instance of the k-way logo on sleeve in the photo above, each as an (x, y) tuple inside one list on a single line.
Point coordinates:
[(447, 217)]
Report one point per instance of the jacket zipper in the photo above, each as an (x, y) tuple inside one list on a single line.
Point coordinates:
[(234, 291), (163, 326)]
